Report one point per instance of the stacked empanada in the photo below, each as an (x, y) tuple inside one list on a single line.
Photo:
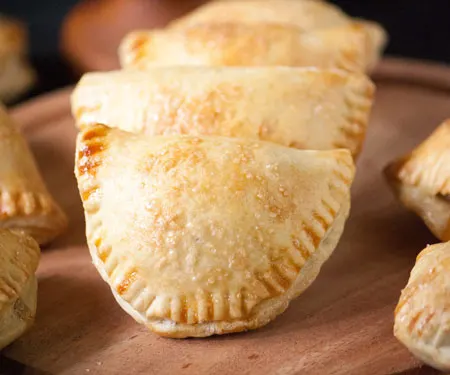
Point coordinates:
[(205, 211), (25, 202), (421, 180), (16, 76), (19, 257)]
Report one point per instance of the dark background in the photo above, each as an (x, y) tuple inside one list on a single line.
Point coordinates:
[(418, 29)]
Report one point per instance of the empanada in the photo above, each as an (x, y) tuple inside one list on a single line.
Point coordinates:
[(25, 202), (19, 257), (422, 317), (16, 76), (208, 235), (305, 15), (234, 44), (296, 107), (421, 180)]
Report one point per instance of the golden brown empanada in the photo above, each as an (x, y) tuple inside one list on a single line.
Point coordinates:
[(208, 235), (296, 107), (25, 202), (19, 257), (305, 15), (422, 317), (421, 180), (234, 44), (16, 76)]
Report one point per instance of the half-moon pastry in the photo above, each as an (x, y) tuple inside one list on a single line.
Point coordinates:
[(19, 257), (422, 319), (234, 44), (16, 76), (208, 235), (25, 202), (296, 107), (421, 180), (305, 15)]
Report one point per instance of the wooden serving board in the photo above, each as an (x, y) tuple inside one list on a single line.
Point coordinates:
[(341, 325)]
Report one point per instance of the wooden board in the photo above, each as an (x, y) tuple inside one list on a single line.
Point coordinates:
[(341, 325)]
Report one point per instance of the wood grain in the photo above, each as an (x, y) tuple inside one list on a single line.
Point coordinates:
[(341, 325)]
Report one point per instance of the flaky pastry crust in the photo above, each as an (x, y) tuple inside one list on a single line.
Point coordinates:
[(296, 107), (237, 44), (25, 202), (422, 316), (19, 257), (208, 235), (421, 180), (305, 15)]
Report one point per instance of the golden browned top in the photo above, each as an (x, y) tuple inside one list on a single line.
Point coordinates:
[(169, 217), (422, 316), (428, 166), (297, 107), (19, 257), (306, 15), (234, 44)]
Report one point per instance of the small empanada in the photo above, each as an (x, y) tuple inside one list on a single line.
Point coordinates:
[(421, 180), (422, 317), (296, 107), (234, 44), (19, 257), (16, 76), (25, 202), (305, 15), (208, 235)]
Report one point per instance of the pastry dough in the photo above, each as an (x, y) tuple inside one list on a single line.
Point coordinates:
[(422, 317), (208, 235), (16, 76), (305, 15), (19, 257), (234, 44), (297, 107), (421, 180), (25, 202)]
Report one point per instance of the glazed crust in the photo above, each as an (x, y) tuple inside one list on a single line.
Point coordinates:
[(305, 15), (421, 180), (16, 75), (234, 44), (192, 209), (25, 202), (19, 257), (422, 317), (296, 107)]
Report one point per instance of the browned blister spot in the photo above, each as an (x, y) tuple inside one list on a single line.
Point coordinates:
[(88, 166), (128, 280), (95, 131)]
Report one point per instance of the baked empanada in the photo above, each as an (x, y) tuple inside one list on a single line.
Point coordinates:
[(422, 317), (19, 257), (234, 44), (25, 202), (421, 180), (296, 107), (305, 15), (208, 235), (16, 76)]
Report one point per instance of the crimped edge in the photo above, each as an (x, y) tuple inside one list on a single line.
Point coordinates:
[(155, 310)]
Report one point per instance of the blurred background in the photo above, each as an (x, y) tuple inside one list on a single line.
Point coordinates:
[(418, 28)]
